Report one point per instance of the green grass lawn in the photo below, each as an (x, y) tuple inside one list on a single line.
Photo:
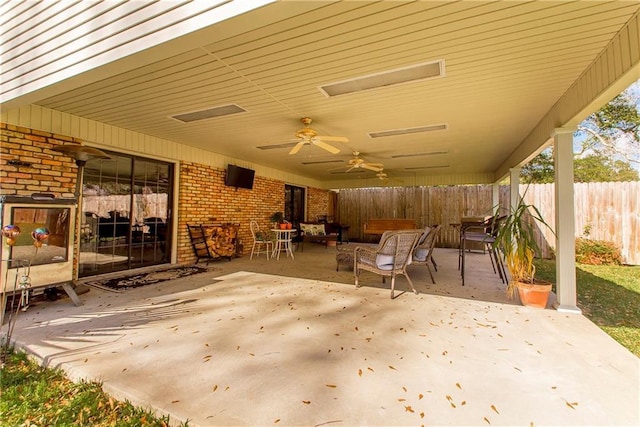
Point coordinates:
[(36, 396), (609, 295)]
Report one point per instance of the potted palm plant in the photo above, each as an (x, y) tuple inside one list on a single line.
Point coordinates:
[(516, 238)]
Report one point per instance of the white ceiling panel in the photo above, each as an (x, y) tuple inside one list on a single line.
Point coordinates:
[(506, 65)]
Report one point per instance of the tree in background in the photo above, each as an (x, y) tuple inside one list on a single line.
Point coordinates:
[(600, 168), (609, 145), (592, 168), (614, 130)]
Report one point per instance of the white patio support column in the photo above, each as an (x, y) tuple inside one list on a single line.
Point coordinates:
[(514, 187), (495, 196), (565, 221)]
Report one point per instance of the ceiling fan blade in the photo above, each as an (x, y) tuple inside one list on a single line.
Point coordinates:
[(372, 166), (333, 138), (297, 148), (324, 145), (349, 171)]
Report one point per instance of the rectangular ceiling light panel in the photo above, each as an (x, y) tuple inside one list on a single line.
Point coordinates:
[(407, 131), (432, 153), (426, 167), (413, 73), (321, 162), (276, 146), (209, 113)]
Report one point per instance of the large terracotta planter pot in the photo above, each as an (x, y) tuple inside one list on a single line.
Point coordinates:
[(534, 294)]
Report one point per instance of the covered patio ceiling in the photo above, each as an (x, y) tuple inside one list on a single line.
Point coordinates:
[(508, 71)]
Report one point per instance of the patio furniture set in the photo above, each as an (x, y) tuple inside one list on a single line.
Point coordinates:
[(271, 243), (400, 245), (390, 257)]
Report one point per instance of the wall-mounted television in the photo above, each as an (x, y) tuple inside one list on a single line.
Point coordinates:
[(239, 177)]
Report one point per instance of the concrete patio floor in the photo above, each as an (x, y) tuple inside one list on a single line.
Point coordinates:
[(292, 342)]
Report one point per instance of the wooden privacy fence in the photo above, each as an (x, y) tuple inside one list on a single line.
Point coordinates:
[(606, 211)]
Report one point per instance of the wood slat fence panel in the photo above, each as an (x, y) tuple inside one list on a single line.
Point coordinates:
[(606, 211)]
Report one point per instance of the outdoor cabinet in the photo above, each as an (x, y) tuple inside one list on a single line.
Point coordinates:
[(47, 262)]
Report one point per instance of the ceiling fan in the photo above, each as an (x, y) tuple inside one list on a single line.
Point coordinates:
[(306, 135), (382, 175), (358, 162)]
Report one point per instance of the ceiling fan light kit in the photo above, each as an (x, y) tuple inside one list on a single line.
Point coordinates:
[(308, 136)]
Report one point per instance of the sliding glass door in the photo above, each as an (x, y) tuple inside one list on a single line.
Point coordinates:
[(126, 211), (294, 198)]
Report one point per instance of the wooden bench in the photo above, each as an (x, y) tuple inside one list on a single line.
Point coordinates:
[(377, 226)]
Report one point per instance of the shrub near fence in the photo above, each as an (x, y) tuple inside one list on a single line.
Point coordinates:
[(609, 211)]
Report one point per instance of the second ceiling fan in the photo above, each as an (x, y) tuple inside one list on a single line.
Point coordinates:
[(309, 136), (358, 162)]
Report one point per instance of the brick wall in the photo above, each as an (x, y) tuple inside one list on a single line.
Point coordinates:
[(203, 198), (317, 203), (46, 171)]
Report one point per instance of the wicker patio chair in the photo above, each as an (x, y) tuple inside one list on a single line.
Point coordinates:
[(423, 252), (389, 259)]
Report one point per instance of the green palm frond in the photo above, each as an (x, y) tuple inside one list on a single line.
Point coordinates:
[(516, 237)]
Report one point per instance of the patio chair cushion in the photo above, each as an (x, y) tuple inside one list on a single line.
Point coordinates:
[(424, 235), (420, 254), (313, 229), (384, 262)]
